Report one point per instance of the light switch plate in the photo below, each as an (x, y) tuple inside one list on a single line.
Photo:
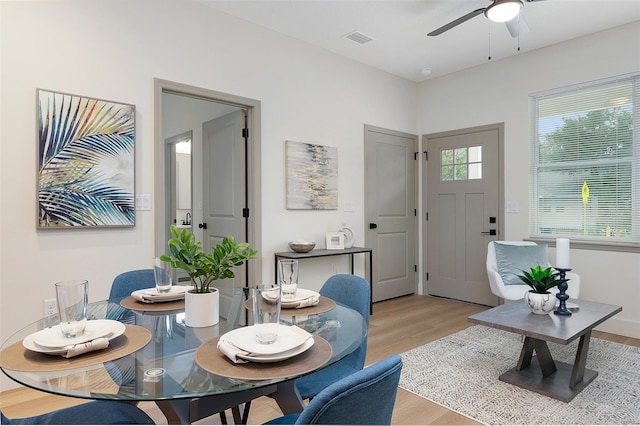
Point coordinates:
[(513, 207), (143, 202)]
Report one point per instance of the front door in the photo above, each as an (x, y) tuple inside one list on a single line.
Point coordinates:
[(224, 186), (462, 211), (390, 210)]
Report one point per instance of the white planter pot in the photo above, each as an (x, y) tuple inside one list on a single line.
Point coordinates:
[(541, 304), (202, 309)]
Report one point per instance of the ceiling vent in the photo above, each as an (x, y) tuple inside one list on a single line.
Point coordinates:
[(358, 37)]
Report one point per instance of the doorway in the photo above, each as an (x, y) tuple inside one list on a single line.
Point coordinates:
[(390, 210), (190, 107), (464, 192)]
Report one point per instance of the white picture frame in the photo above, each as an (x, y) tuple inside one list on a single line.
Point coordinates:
[(335, 241)]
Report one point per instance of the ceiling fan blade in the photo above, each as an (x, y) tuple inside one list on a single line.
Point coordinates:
[(456, 22), (517, 26)]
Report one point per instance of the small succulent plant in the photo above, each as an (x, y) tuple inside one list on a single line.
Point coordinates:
[(541, 280)]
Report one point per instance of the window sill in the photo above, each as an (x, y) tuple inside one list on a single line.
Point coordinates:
[(577, 243)]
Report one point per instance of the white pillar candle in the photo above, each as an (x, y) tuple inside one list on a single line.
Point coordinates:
[(562, 253)]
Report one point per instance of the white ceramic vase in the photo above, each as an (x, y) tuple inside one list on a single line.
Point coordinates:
[(202, 309), (540, 303)]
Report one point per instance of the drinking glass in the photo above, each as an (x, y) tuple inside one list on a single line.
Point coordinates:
[(163, 274), (288, 277), (73, 301), (266, 312)]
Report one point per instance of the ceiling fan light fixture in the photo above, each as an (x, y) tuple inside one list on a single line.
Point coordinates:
[(503, 10)]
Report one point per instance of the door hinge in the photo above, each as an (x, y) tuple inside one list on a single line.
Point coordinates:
[(415, 212), (245, 212), (245, 133), (426, 216), (427, 276), (415, 268), (426, 155), (415, 155)]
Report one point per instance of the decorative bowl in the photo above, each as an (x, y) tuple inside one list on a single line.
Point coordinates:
[(301, 246)]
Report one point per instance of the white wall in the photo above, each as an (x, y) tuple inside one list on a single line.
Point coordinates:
[(113, 49), (499, 92)]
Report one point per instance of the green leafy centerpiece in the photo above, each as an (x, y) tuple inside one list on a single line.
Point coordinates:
[(541, 280), (204, 268)]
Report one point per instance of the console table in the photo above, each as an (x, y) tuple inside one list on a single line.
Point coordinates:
[(324, 253)]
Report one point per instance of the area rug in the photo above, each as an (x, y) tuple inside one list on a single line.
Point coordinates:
[(460, 372)]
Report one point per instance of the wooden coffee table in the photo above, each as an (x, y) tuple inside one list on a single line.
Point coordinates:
[(554, 379)]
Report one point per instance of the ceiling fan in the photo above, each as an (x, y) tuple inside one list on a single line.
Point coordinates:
[(498, 11)]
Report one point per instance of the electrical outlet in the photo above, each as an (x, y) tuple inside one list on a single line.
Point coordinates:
[(50, 307)]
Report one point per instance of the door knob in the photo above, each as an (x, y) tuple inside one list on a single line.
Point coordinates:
[(489, 232), (202, 225), (373, 225)]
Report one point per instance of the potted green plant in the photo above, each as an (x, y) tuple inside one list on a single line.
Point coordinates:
[(541, 280), (204, 268)]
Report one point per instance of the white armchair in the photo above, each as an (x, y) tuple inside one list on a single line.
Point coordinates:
[(516, 292)]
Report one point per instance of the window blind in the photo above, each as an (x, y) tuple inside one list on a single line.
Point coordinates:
[(585, 176)]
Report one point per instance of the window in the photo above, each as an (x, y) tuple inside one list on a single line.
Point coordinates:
[(461, 163), (586, 162)]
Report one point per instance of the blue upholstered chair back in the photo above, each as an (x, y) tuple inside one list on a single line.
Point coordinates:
[(355, 292), (128, 282), (366, 397), (92, 413)]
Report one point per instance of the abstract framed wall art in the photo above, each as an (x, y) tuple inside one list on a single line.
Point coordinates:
[(312, 176), (85, 162)]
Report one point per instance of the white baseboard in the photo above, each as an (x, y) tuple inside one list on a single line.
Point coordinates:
[(621, 327)]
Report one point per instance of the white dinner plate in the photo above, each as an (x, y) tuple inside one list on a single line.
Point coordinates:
[(51, 338), (288, 339), (301, 294), (151, 295), (281, 356)]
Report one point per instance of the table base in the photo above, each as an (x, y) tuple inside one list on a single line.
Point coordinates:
[(554, 386)]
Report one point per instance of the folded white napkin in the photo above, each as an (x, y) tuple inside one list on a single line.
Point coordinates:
[(309, 301), (301, 299), (82, 348), (232, 351), (151, 295)]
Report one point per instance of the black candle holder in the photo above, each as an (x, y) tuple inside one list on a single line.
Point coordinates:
[(562, 295)]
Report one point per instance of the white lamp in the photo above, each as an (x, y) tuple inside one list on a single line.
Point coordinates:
[(503, 10)]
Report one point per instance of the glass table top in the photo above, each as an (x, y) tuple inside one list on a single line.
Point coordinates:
[(165, 368)]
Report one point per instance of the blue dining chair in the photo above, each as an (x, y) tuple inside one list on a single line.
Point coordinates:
[(123, 370), (366, 397), (91, 413), (128, 282), (355, 292)]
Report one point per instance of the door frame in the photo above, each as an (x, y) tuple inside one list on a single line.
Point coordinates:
[(253, 166), (501, 203)]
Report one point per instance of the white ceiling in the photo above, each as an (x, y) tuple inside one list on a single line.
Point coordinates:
[(399, 28)]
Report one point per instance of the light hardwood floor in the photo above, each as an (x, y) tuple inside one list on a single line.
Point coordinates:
[(396, 326)]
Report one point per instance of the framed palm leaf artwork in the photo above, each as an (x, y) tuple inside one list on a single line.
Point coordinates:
[(85, 162)]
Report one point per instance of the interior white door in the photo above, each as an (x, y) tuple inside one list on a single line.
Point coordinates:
[(390, 210), (463, 193), (224, 186)]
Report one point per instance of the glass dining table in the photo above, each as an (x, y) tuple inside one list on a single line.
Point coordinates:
[(165, 370)]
